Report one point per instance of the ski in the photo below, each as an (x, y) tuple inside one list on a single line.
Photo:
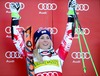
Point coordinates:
[(28, 38)]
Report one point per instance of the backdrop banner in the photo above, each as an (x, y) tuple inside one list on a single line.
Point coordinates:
[(51, 14)]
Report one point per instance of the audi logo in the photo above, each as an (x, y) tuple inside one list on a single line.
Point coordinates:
[(78, 55), (53, 30), (47, 6), (8, 29), (48, 74), (86, 31), (13, 55), (8, 3), (82, 7)]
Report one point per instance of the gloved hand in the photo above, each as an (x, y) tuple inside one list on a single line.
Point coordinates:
[(15, 8), (72, 3)]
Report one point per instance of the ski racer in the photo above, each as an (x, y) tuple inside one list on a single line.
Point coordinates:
[(45, 60)]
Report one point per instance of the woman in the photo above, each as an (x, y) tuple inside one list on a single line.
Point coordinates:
[(47, 61)]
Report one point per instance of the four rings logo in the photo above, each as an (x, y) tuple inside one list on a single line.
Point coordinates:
[(8, 31), (48, 74), (86, 31), (78, 55), (82, 7), (47, 6), (8, 8), (13, 55), (53, 30)]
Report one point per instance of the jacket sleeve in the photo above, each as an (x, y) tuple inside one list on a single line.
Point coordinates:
[(19, 42), (16, 33), (67, 41)]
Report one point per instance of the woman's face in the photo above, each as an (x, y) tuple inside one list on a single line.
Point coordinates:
[(44, 42)]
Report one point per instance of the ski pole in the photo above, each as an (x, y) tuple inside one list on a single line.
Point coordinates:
[(80, 44), (78, 23), (89, 53)]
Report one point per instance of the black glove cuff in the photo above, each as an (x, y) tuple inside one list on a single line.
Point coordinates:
[(15, 22), (70, 19)]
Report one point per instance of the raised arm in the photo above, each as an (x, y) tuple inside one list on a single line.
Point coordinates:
[(68, 36), (18, 37), (16, 31)]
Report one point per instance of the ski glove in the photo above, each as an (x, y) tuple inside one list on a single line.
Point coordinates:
[(15, 8)]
